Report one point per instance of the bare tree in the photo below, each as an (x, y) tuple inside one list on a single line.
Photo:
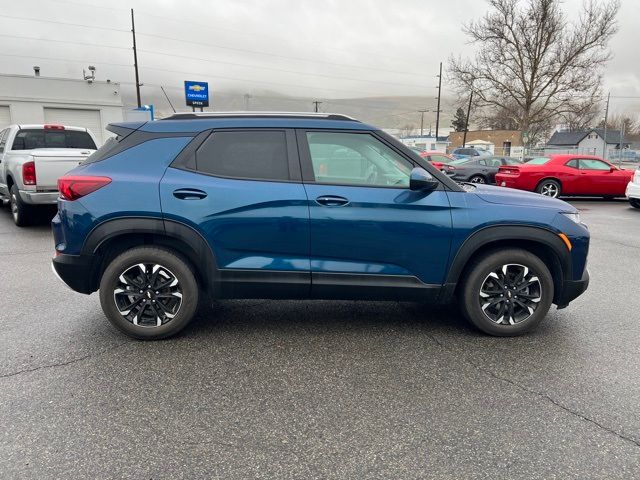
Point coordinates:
[(615, 122), (532, 64)]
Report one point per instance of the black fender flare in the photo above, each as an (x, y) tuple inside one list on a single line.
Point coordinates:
[(199, 252), (497, 233)]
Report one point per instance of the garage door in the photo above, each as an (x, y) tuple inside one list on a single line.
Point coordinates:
[(5, 116), (76, 117)]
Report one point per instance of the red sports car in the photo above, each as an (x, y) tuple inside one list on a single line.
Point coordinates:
[(437, 159), (557, 175)]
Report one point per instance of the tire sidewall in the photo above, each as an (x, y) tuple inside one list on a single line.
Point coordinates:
[(546, 182), (21, 208), (168, 259), (476, 277)]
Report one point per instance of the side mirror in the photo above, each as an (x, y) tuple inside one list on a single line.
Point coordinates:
[(421, 180), (612, 169)]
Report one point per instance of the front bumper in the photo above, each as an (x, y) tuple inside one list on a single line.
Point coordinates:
[(633, 190), (76, 271), (572, 289), (39, 198)]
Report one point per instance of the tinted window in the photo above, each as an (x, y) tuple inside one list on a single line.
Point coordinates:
[(356, 159), (254, 155), (31, 139), (588, 164), (572, 163)]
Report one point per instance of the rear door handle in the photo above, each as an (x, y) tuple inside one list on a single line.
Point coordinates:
[(189, 194), (331, 201)]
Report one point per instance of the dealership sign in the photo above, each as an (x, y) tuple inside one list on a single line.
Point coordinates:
[(196, 93)]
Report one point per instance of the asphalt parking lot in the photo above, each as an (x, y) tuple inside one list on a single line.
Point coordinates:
[(266, 389)]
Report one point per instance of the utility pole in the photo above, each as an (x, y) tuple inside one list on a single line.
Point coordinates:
[(621, 147), (466, 123), (135, 58), (606, 119), (438, 107), (422, 112), (316, 103)]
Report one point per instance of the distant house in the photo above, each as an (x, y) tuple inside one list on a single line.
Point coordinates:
[(426, 142), (588, 142), (499, 142)]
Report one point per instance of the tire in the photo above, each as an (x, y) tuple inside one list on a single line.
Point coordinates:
[(486, 274), (20, 211), (138, 314), (477, 179), (634, 202), (549, 188)]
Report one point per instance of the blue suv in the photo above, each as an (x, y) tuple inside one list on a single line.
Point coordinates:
[(168, 215)]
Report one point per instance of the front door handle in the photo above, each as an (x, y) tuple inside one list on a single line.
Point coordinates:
[(331, 201), (189, 194)]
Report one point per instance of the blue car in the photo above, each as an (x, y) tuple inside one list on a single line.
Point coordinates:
[(171, 214)]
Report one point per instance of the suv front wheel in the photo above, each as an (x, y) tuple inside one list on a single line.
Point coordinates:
[(507, 292), (149, 293)]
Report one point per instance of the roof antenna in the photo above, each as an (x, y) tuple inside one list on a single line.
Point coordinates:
[(167, 97)]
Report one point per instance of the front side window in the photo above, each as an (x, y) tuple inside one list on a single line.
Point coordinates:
[(38, 138), (258, 155), (589, 164), (356, 159)]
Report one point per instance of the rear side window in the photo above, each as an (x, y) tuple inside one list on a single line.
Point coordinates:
[(34, 138), (259, 155), (538, 161)]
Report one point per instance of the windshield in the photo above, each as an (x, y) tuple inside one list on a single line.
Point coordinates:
[(538, 161), (40, 138), (462, 161)]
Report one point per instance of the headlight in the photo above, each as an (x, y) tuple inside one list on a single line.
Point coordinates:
[(575, 217)]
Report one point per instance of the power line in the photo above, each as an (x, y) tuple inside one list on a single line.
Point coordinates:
[(92, 27), (275, 55), (261, 67), (51, 40), (145, 13)]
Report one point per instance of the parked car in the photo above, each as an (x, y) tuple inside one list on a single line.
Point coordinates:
[(470, 152), (306, 206), (477, 169), (633, 190), (438, 159), (32, 157), (566, 174)]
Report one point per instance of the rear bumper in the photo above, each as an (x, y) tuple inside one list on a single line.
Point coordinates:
[(572, 289), (76, 271), (39, 198)]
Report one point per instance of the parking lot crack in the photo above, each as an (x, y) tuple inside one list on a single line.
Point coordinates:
[(65, 363), (531, 391)]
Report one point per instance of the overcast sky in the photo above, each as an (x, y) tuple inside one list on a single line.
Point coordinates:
[(318, 48)]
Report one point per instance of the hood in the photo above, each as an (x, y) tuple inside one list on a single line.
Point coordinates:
[(511, 196)]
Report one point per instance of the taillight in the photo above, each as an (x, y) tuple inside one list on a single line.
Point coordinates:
[(29, 173), (54, 127), (73, 187)]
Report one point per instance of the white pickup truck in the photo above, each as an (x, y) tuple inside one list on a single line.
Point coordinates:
[(32, 158)]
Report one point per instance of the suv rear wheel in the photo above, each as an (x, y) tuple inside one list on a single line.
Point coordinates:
[(149, 293), (507, 292)]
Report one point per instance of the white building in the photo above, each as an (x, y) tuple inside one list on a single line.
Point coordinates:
[(426, 142), (34, 99), (588, 142)]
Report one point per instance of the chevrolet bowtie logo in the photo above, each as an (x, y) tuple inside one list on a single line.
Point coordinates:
[(196, 88)]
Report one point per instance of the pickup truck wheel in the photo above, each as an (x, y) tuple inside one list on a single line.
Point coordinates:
[(20, 211), (507, 293), (149, 293)]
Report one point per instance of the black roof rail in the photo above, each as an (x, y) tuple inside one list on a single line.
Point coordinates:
[(305, 115)]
